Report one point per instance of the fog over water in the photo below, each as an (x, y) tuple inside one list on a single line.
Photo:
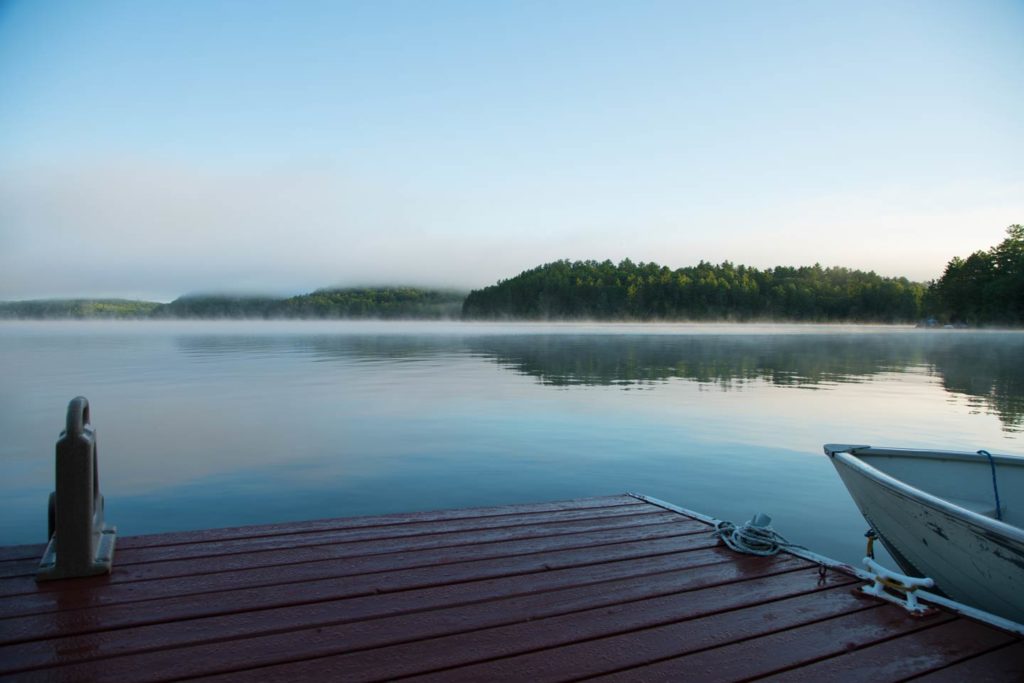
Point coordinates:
[(154, 149), (214, 424)]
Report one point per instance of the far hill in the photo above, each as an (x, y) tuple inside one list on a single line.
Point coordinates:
[(363, 302), (77, 308), (389, 302), (216, 306)]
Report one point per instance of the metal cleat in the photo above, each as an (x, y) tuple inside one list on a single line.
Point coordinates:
[(890, 586), (80, 543)]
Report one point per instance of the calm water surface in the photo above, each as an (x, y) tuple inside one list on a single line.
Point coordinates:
[(215, 424)]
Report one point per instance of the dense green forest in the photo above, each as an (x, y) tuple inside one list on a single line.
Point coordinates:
[(986, 288), (648, 291), (381, 302), (403, 302)]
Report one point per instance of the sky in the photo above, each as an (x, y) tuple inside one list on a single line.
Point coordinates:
[(153, 149)]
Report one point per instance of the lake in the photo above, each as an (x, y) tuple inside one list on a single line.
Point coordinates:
[(208, 424)]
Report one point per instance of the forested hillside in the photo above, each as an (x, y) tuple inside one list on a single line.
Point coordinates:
[(648, 291), (216, 306), (986, 288), (391, 302), (366, 302)]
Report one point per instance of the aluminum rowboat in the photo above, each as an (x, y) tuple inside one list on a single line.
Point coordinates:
[(937, 514)]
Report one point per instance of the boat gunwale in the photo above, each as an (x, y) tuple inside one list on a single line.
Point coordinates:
[(849, 458), (925, 454)]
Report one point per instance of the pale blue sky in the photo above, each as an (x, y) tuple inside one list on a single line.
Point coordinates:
[(155, 148)]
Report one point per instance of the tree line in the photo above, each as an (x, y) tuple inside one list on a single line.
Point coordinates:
[(987, 288), (603, 290)]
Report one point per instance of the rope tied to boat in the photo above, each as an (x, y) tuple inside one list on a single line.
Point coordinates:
[(871, 535), (995, 485), (755, 537)]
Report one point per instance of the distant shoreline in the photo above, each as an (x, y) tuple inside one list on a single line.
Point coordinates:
[(578, 325), (581, 291)]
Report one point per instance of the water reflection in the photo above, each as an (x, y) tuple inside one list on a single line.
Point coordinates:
[(984, 368)]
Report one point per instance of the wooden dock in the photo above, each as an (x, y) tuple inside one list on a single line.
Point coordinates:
[(615, 588)]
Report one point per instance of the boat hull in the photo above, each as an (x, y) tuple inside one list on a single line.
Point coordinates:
[(972, 559)]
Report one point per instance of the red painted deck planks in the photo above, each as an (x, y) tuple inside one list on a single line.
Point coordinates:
[(548, 591), (23, 559), (347, 560), (790, 648), (637, 648), (895, 660), (438, 575), (400, 519), (1002, 664), (455, 531), (518, 611), (148, 568), (352, 554), (458, 579), (553, 645), (350, 560), (361, 611)]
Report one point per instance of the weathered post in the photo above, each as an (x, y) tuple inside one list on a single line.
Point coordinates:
[(81, 544)]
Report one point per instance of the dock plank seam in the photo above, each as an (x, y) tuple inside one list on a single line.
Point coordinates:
[(869, 652), (444, 647), (555, 646), (327, 541), (318, 598), (955, 671), (911, 626), (250, 553), (34, 550), (670, 528), (768, 573), (130, 543), (605, 588), (706, 543)]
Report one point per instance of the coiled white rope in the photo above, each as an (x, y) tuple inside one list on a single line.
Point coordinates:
[(755, 537)]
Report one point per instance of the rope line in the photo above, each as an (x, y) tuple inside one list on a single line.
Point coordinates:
[(995, 486)]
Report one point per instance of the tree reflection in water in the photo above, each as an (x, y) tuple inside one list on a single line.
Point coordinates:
[(983, 367)]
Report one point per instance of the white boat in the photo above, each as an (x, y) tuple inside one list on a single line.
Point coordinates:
[(954, 517)]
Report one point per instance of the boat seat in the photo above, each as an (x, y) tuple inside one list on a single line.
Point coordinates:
[(982, 507)]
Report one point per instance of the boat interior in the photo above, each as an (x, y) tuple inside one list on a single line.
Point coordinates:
[(963, 479)]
